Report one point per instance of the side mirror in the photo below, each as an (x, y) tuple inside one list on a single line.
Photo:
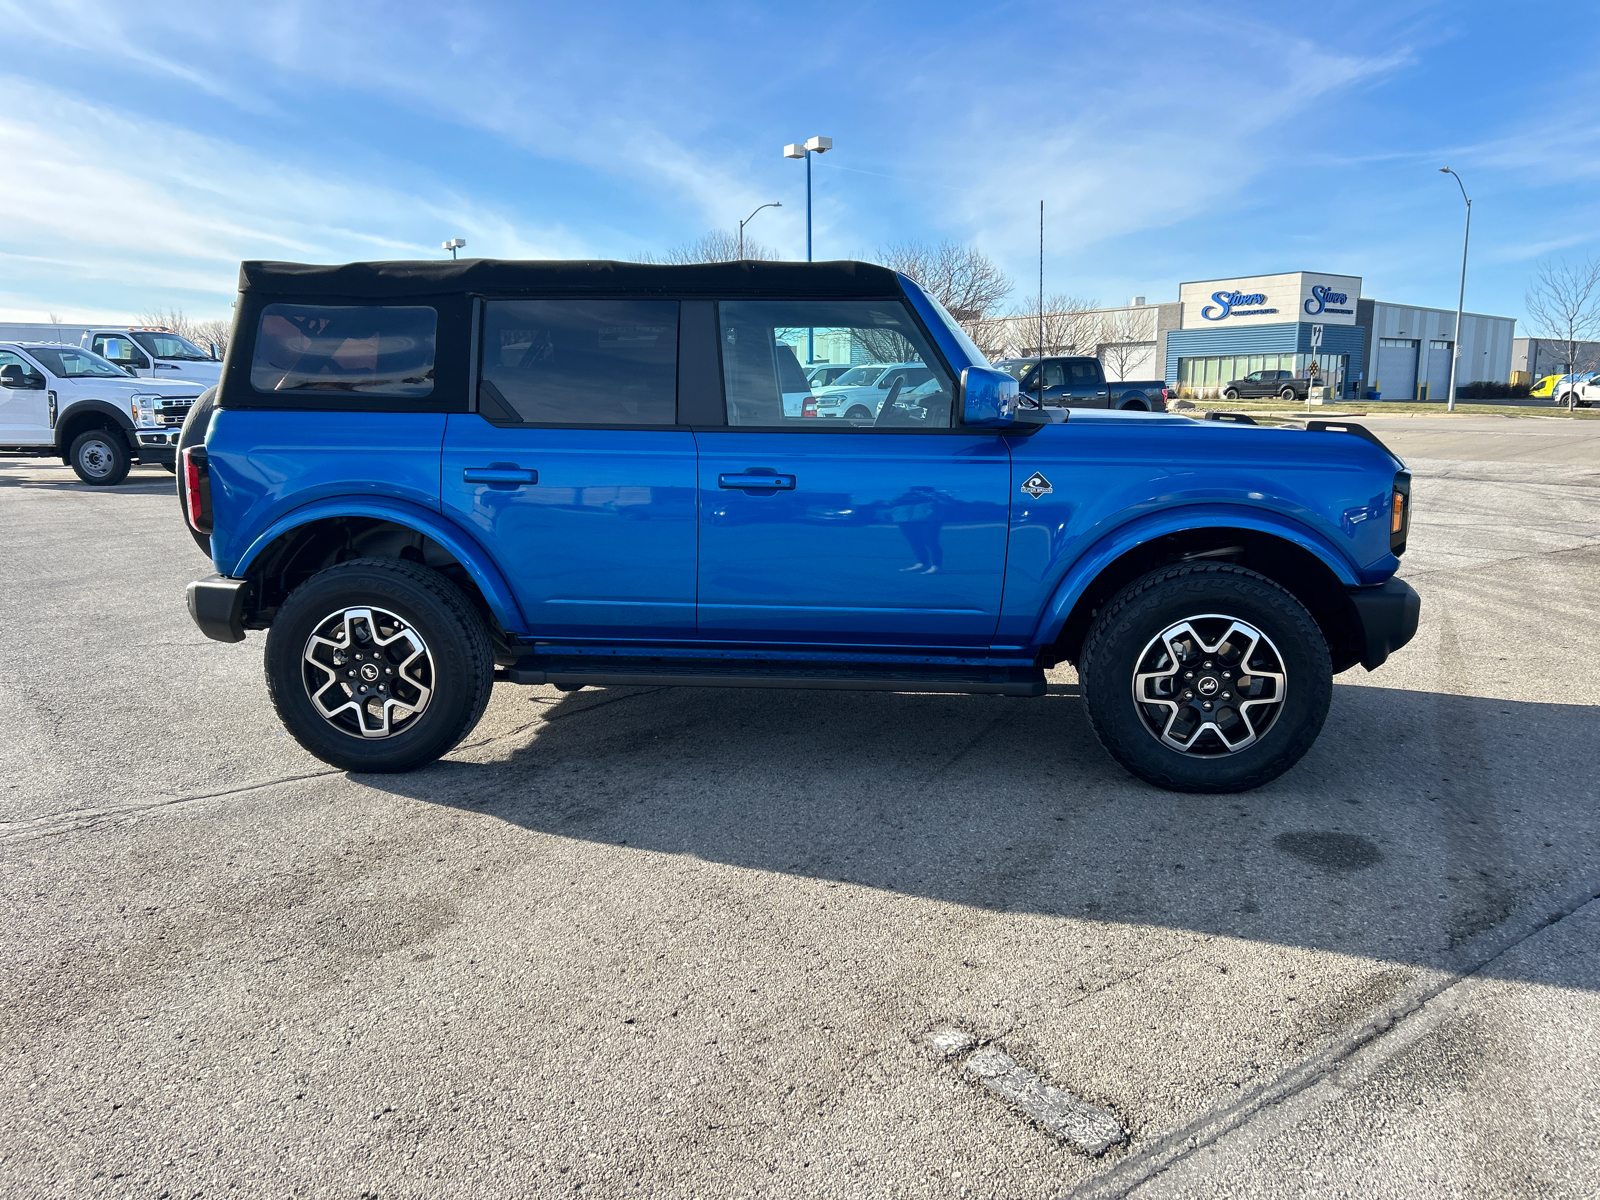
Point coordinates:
[(13, 376), (130, 369), (988, 398)]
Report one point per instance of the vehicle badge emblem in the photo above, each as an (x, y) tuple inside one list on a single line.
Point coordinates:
[(1207, 686), (1036, 485)]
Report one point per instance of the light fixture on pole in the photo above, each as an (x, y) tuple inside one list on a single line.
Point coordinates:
[(752, 217), (816, 145), (453, 245), (1461, 296)]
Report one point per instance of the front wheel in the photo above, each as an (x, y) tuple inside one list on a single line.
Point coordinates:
[(858, 414), (1206, 678), (1231, 394), (378, 665), (100, 457)]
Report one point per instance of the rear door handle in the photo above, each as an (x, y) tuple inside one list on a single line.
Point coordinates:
[(499, 473), (749, 480)]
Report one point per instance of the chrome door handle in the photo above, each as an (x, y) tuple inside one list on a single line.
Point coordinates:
[(756, 480), (499, 473)]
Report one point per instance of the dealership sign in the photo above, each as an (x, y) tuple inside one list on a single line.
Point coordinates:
[(1270, 300)]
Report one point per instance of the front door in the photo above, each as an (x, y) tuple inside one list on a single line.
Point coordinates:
[(572, 472), (24, 407), (124, 351), (876, 532)]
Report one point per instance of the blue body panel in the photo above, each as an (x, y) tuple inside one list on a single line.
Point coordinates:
[(1121, 479), (265, 463), (842, 556), (603, 544)]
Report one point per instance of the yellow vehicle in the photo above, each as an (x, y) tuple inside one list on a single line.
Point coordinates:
[(1546, 387)]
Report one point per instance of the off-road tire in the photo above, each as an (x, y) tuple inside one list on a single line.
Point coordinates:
[(462, 662), (1125, 627), (100, 457)]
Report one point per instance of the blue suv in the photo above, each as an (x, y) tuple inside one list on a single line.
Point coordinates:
[(423, 477)]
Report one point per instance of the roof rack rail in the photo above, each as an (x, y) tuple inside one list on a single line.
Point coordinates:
[(1236, 418), (1360, 431)]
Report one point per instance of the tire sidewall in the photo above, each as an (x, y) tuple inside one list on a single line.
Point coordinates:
[(1113, 651), (456, 701), (121, 457)]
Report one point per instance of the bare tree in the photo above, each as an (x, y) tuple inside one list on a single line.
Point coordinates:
[(964, 279), (53, 318), (1564, 305), (1069, 325), (204, 332), (716, 246), (1125, 338)]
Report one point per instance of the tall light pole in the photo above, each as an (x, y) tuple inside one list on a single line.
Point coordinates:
[(1461, 297), (816, 145), (453, 245), (752, 217)]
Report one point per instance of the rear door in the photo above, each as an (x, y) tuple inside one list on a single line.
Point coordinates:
[(1086, 383), (574, 473), (875, 532)]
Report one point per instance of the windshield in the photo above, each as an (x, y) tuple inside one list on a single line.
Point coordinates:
[(76, 364), (859, 377), (170, 345)]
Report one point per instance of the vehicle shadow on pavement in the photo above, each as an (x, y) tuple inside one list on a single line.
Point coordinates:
[(1418, 820)]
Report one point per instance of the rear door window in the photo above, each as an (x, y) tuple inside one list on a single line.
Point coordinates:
[(376, 350), (581, 362)]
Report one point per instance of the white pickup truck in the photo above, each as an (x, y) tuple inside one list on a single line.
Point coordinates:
[(1580, 393), (66, 400), (145, 351)]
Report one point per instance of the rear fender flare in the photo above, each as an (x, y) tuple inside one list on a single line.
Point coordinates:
[(1088, 565), (461, 546)]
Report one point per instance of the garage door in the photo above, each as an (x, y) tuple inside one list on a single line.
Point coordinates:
[(1396, 375), (1439, 370)]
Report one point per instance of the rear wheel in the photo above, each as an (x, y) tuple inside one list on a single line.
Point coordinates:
[(378, 665), (1286, 394), (1206, 678), (1135, 406), (100, 457)]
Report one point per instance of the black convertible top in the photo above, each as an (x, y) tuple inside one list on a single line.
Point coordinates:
[(383, 280)]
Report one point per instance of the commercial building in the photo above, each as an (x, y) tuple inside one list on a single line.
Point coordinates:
[(1534, 358), (1304, 322)]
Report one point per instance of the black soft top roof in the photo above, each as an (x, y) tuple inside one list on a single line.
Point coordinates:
[(385, 280)]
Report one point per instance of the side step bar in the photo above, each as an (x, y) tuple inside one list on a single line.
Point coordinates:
[(882, 677)]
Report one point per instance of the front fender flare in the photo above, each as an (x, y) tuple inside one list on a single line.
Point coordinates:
[(67, 418), (466, 551), (1088, 565)]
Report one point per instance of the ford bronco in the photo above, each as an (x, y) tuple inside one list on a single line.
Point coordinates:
[(422, 477)]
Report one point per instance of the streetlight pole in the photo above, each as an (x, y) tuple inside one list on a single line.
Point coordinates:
[(816, 145), (752, 217), (1461, 296), (453, 245)]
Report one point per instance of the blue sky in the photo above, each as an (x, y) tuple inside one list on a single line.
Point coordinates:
[(150, 148)]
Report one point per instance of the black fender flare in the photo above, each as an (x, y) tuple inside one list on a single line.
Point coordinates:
[(68, 419)]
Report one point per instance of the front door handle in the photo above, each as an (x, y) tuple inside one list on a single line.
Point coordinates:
[(499, 473), (756, 480)]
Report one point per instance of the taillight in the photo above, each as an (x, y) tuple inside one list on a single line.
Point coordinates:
[(197, 489), (1400, 513), (808, 407)]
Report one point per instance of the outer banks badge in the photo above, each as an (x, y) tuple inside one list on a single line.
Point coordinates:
[(1037, 485)]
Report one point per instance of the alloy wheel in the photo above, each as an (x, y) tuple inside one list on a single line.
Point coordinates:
[(1209, 685), (367, 672)]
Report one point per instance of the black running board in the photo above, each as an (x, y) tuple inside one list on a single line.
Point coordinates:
[(868, 677)]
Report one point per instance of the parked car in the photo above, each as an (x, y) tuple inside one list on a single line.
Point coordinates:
[(1077, 381), (827, 373), (1282, 384), (1579, 391), (145, 351), (621, 498), (61, 399), (862, 401)]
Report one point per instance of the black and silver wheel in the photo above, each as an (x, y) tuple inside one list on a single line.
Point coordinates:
[(858, 414), (1286, 394), (1206, 678), (100, 457), (1231, 394), (378, 665)]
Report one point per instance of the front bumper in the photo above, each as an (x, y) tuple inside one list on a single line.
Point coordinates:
[(1387, 619), (217, 605), (155, 445)]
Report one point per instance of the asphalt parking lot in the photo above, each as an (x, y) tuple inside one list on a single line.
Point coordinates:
[(690, 942)]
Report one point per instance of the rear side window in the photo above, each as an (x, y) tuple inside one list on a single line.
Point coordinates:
[(1083, 372), (580, 362), (377, 350)]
